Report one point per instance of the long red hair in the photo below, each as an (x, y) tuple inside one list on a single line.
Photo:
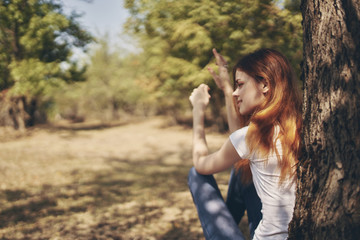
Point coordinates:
[(282, 107)]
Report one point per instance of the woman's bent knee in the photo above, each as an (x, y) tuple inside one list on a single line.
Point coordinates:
[(192, 173), (194, 180), (191, 176)]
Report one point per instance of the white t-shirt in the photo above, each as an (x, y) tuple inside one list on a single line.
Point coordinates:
[(277, 201)]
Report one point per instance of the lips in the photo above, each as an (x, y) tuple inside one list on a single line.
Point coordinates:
[(238, 104)]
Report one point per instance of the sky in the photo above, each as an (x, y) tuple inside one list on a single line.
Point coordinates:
[(101, 17)]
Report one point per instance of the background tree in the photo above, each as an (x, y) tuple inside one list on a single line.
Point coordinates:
[(112, 89), (177, 38), (328, 192), (35, 52)]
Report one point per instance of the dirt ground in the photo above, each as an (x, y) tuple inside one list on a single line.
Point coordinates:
[(124, 182)]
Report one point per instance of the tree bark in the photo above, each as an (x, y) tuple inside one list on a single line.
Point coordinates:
[(13, 112), (328, 187)]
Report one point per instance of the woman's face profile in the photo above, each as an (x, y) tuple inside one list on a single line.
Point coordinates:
[(248, 93)]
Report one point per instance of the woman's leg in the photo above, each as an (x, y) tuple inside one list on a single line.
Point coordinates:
[(215, 218), (243, 196)]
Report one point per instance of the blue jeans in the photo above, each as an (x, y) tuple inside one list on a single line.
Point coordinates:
[(220, 220)]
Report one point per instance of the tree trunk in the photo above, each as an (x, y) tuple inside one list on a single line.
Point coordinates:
[(13, 111), (328, 187), (20, 115)]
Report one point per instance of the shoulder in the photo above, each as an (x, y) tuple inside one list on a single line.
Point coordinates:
[(238, 140), (239, 135)]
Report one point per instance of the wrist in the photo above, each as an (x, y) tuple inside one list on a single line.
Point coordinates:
[(228, 90), (198, 111), (199, 108)]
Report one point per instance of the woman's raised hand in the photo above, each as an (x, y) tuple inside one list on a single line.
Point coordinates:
[(200, 96), (223, 79)]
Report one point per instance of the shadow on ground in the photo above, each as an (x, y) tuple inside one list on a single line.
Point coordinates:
[(86, 187), (126, 200)]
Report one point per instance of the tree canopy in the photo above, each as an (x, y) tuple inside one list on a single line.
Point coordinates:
[(37, 39), (177, 38)]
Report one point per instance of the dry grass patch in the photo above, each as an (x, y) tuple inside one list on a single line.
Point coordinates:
[(125, 182)]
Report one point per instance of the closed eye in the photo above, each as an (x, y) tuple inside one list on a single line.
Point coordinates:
[(239, 84)]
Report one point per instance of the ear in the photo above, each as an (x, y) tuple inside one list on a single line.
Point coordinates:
[(265, 87)]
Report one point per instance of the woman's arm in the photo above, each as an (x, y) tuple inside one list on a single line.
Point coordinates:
[(223, 82), (203, 162)]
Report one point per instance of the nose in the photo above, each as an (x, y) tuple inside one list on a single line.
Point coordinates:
[(236, 92)]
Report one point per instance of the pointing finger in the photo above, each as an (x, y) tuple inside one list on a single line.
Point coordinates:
[(220, 60), (217, 58)]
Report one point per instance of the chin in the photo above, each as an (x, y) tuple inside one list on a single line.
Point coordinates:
[(245, 113)]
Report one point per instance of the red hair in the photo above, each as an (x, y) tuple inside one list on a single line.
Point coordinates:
[(282, 108)]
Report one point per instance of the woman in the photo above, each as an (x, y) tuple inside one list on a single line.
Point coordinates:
[(267, 115)]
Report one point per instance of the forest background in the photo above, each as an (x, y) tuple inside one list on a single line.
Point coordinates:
[(63, 174), (42, 81)]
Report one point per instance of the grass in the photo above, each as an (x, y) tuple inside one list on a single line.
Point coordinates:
[(125, 182)]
